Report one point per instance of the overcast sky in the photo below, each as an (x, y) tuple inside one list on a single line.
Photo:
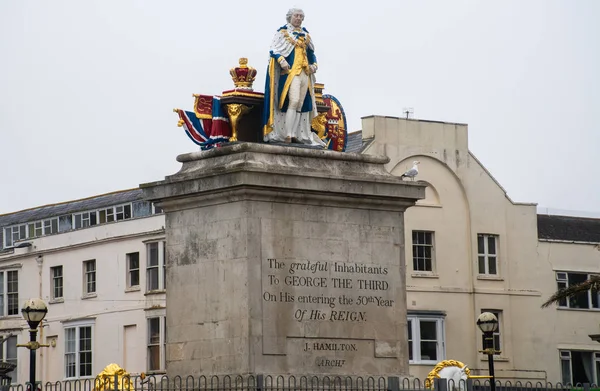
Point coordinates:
[(87, 88)]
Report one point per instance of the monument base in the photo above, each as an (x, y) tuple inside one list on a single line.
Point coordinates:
[(285, 260), (296, 145)]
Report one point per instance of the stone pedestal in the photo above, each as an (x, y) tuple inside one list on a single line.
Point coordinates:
[(283, 260)]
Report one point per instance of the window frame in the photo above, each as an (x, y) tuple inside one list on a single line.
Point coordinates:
[(487, 255), (130, 270), (85, 219), (13, 232), (596, 362), (162, 343), (414, 322), (29, 230), (123, 213), (156, 209), (53, 281), (79, 220), (160, 266), (77, 326), (4, 294), (562, 281), (4, 354), (35, 229), (90, 277), (565, 356), (115, 213), (430, 245), (49, 226)]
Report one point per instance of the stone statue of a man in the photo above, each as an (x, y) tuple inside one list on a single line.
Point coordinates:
[(290, 105)]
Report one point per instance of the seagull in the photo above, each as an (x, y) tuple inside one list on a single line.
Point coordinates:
[(413, 172)]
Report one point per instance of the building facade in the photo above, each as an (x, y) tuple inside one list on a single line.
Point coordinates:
[(570, 248), (99, 263), (473, 250)]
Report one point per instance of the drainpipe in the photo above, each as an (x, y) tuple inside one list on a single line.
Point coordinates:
[(40, 263), (472, 277)]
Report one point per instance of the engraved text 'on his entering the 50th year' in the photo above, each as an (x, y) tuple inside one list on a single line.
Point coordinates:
[(350, 289)]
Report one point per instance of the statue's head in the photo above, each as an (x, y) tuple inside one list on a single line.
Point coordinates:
[(295, 16)]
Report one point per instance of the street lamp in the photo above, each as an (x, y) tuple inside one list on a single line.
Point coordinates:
[(488, 323), (34, 311)]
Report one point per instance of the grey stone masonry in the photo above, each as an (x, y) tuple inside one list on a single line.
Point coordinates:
[(285, 260)]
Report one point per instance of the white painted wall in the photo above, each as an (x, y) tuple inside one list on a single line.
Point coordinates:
[(109, 311)]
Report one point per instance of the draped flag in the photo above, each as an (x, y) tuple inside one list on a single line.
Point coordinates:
[(220, 123), (206, 126)]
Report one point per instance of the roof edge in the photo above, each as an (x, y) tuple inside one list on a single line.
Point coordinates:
[(415, 119), (69, 202)]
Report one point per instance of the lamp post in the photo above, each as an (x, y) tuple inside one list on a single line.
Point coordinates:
[(34, 310), (488, 323)]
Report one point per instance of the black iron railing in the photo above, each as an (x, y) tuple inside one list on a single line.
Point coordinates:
[(289, 383)]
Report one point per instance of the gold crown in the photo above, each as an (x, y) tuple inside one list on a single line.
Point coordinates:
[(243, 76)]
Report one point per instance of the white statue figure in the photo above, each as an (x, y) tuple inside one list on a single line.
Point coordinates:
[(456, 377), (454, 372), (289, 104)]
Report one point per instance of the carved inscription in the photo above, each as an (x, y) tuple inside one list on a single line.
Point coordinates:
[(326, 362), (330, 347), (327, 291), (329, 355)]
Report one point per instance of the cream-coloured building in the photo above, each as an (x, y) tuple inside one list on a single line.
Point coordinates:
[(99, 263), (470, 249)]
